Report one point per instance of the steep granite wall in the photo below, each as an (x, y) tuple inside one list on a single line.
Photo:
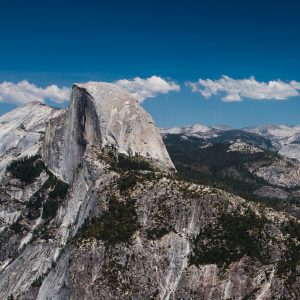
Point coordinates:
[(102, 115)]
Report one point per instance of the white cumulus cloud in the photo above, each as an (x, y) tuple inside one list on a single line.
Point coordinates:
[(24, 91), (236, 89), (147, 88)]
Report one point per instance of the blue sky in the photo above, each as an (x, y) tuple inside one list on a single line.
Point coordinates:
[(61, 42)]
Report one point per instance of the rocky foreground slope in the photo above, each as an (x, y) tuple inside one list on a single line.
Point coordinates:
[(96, 213)]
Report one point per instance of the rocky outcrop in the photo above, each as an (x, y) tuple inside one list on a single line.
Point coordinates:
[(271, 192), (280, 172), (291, 150), (102, 115), (22, 131)]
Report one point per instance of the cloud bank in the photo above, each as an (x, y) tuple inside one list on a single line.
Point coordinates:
[(147, 88), (24, 92), (236, 89), (231, 90)]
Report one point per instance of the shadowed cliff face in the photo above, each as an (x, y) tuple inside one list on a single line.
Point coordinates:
[(90, 221), (68, 136)]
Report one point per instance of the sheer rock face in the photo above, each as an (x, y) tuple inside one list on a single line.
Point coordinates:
[(102, 114)]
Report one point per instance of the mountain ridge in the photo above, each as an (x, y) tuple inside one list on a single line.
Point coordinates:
[(85, 218), (284, 138)]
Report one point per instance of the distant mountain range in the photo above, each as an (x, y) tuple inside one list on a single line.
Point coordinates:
[(283, 139)]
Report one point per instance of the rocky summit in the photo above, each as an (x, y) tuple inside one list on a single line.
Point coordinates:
[(91, 207)]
